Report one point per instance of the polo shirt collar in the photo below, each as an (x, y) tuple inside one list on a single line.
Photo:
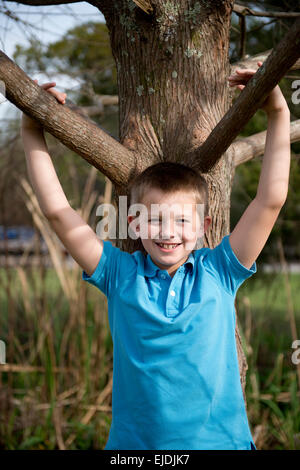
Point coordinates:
[(151, 268)]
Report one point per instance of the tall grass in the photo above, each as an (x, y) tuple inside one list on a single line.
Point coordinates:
[(59, 356), (272, 389)]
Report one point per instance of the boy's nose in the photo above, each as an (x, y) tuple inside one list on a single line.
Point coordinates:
[(167, 232)]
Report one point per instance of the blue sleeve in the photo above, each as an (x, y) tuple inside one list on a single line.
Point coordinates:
[(222, 263), (109, 269)]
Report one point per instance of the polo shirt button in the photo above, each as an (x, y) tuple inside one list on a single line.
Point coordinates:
[(172, 293), (163, 276)]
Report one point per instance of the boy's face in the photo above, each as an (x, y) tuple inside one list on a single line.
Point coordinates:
[(169, 233)]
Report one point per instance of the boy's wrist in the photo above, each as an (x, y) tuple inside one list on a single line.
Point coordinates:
[(275, 103), (29, 124)]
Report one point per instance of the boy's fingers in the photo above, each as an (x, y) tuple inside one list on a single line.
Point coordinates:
[(242, 74), (61, 97), (246, 71), (48, 85), (238, 81)]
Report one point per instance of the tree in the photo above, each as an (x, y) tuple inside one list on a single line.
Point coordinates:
[(174, 100)]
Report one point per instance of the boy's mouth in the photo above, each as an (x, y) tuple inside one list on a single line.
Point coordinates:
[(167, 247)]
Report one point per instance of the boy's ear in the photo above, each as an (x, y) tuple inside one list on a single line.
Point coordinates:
[(207, 222), (130, 218), (133, 227)]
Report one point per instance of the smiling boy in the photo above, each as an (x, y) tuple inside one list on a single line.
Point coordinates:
[(176, 382)]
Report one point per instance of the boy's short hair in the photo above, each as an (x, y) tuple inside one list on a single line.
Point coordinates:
[(169, 177)]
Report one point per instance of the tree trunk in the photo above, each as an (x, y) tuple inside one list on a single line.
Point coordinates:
[(172, 78)]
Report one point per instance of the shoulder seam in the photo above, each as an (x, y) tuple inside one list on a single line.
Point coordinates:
[(215, 280)]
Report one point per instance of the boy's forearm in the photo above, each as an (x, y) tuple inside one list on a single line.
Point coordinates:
[(274, 178), (42, 173)]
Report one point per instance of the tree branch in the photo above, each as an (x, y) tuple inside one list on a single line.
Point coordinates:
[(38, 3), (251, 98), (243, 10), (246, 148), (105, 6), (97, 109), (251, 62), (243, 29), (73, 129)]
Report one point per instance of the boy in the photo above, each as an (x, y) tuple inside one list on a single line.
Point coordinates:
[(176, 382)]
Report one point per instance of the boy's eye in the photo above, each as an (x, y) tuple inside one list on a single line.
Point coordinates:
[(152, 221), (178, 220), (184, 220)]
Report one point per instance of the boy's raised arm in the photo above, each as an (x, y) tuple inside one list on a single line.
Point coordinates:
[(76, 235), (254, 227)]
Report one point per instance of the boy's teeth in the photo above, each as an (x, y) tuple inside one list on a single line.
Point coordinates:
[(167, 246)]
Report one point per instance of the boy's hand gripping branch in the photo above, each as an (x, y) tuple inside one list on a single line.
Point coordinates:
[(275, 101), (27, 122)]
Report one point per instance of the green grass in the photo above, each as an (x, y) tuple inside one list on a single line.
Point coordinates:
[(270, 324), (272, 387), (267, 290)]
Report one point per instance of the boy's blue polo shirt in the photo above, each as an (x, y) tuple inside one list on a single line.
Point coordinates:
[(176, 381)]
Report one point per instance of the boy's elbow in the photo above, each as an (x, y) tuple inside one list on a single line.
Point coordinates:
[(279, 201), (54, 214), (50, 215), (273, 198), (275, 203)]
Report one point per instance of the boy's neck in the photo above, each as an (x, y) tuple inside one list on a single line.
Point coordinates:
[(172, 269)]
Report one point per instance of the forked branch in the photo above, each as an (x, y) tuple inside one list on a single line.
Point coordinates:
[(73, 129)]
